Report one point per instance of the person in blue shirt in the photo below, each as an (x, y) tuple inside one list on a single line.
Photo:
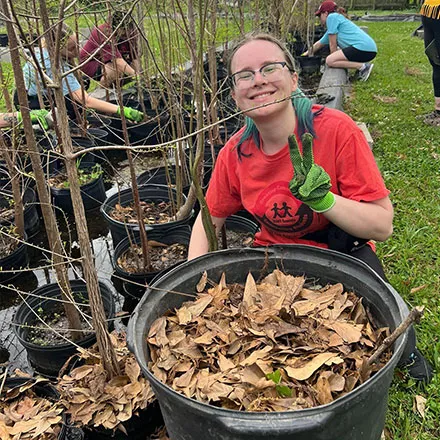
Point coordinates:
[(350, 46), (72, 90)]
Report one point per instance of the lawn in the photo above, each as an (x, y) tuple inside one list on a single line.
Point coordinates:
[(407, 151)]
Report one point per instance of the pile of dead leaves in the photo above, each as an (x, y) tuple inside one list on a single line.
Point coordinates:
[(152, 213), (92, 400), (162, 256), (272, 346), (27, 415)]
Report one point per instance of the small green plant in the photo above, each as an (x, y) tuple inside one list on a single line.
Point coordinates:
[(282, 390), (86, 175)]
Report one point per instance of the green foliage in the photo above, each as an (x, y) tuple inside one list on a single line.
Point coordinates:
[(282, 390), (86, 175), (390, 102), (8, 78)]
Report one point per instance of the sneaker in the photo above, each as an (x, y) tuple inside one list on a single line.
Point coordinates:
[(418, 367), (364, 72)]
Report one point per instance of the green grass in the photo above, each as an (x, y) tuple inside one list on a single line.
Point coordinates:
[(408, 153)]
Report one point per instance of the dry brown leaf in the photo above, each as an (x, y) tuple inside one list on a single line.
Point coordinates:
[(350, 333), (305, 371), (256, 355), (189, 311), (250, 293), (156, 334), (184, 380), (224, 363), (420, 405), (202, 282), (205, 339), (418, 288), (324, 394)]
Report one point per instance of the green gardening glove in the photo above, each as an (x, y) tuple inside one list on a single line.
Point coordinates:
[(37, 117), (131, 114), (310, 183)]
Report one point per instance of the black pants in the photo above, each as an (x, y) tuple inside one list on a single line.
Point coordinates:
[(368, 256), (431, 29)]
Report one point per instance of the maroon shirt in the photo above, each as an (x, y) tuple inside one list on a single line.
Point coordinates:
[(104, 55)]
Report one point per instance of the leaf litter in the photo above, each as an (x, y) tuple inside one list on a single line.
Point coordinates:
[(152, 213), (92, 400), (276, 345), (26, 415)]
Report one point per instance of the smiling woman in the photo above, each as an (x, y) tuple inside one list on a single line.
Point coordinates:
[(306, 173)]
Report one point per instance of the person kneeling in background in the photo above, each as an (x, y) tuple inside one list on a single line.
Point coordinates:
[(72, 91), (350, 46)]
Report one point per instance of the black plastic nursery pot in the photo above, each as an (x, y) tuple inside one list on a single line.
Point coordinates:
[(92, 194), (42, 389), (50, 160), (14, 261), (309, 64), (49, 359), (139, 426), (160, 175), (152, 131), (31, 217), (358, 415), (241, 224), (147, 193), (4, 40), (179, 234), (81, 143)]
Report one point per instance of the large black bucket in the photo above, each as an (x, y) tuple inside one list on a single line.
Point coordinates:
[(359, 415)]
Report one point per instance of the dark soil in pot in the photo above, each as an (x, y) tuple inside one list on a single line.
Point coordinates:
[(46, 353), (161, 256), (7, 245), (166, 249), (157, 213), (240, 233)]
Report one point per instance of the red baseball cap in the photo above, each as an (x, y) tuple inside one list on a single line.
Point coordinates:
[(327, 6)]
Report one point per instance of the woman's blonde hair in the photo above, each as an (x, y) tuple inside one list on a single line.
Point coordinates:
[(66, 33)]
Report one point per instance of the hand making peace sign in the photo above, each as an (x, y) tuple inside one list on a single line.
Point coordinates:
[(310, 183)]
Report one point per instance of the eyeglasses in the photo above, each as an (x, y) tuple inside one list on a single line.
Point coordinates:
[(271, 71)]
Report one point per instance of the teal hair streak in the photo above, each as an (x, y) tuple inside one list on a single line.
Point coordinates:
[(303, 110)]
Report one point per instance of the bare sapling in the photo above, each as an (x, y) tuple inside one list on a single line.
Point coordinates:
[(51, 226)]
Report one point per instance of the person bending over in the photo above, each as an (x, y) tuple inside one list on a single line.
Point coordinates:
[(350, 46), (109, 58)]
